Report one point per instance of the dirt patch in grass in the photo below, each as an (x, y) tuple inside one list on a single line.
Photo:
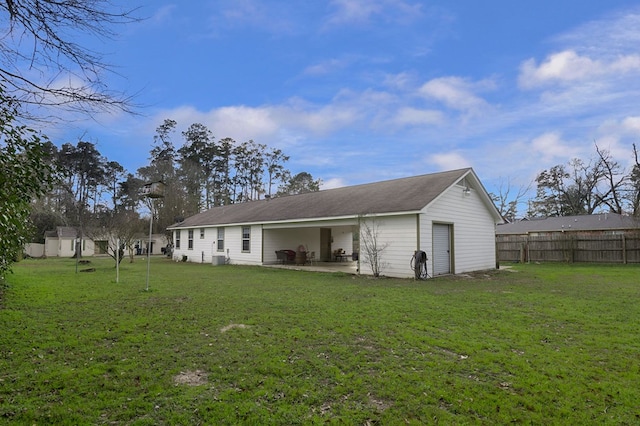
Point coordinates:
[(232, 326), (379, 405), (191, 378)]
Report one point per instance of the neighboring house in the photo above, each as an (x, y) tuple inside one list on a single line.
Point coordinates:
[(448, 215), (603, 224), (139, 245), (604, 237), (61, 243), (158, 244)]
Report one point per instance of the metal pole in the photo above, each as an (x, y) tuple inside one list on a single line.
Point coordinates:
[(149, 245), (117, 259)]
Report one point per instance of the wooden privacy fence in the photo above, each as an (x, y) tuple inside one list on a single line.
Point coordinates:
[(569, 247)]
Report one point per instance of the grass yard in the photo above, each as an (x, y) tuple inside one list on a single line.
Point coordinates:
[(539, 344)]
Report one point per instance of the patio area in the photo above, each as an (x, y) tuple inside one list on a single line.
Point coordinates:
[(347, 267)]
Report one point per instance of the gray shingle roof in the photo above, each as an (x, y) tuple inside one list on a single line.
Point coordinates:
[(398, 195), (66, 232), (596, 222)]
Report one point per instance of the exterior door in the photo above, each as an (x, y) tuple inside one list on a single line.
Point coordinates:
[(441, 249)]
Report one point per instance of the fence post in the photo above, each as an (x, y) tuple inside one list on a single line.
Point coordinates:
[(574, 247), (624, 250)]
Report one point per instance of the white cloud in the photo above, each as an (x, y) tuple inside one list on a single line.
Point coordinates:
[(455, 92), (319, 121), (448, 161), (333, 183), (563, 66), (268, 17), (326, 67), (400, 81), (611, 35), (349, 12), (569, 66), (632, 124), (414, 116), (550, 147), (163, 14), (273, 125), (625, 64)]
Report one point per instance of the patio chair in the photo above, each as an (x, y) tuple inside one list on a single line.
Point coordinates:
[(285, 256), (311, 257), (282, 256)]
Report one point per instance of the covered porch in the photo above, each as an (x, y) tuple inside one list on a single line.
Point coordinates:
[(309, 243)]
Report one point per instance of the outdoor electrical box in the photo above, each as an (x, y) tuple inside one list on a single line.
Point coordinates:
[(217, 260)]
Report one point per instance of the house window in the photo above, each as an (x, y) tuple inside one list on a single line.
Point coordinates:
[(178, 239), (220, 239), (190, 239), (202, 233), (73, 244), (246, 239)]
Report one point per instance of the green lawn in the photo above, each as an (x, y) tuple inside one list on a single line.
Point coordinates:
[(540, 344)]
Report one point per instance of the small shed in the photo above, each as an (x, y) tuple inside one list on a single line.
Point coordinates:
[(61, 242)]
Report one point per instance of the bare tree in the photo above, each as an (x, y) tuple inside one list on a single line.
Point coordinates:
[(41, 62), (568, 190), (507, 201), (119, 230), (613, 182), (371, 248), (633, 194)]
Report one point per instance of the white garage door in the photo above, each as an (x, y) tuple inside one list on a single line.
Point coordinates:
[(441, 249)]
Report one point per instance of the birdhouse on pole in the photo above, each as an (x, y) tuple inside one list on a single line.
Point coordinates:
[(153, 189)]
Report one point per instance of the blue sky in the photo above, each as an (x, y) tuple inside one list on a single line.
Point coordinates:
[(359, 91)]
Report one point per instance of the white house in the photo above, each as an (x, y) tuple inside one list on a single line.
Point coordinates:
[(62, 241), (448, 215)]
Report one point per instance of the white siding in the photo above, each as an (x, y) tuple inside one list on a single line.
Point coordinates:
[(204, 249), (398, 233), (342, 239), (64, 247), (51, 246), (473, 230)]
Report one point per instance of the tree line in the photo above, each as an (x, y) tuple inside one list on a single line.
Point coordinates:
[(103, 200), (46, 73), (578, 187), (204, 172)]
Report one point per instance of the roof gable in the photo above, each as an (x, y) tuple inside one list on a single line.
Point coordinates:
[(386, 197)]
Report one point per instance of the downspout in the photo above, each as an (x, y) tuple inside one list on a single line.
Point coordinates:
[(262, 245), (359, 245), (418, 231)]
